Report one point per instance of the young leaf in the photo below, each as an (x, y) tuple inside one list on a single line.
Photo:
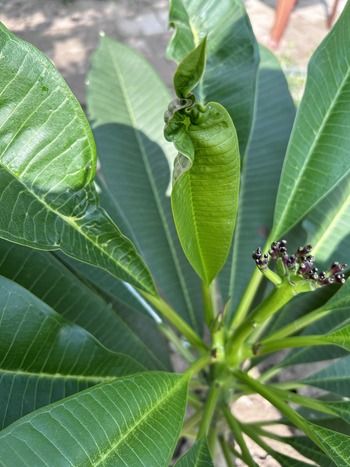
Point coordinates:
[(117, 324), (45, 358), (274, 115), (334, 378), (128, 127), (133, 421), (230, 74), (204, 198), (47, 166), (190, 70), (317, 157), (197, 456)]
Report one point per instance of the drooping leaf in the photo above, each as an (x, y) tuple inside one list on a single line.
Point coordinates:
[(273, 121), (190, 70), (133, 421), (225, 23), (47, 166), (44, 357), (204, 197), (317, 157), (128, 127), (118, 325), (341, 408), (334, 378), (197, 456)]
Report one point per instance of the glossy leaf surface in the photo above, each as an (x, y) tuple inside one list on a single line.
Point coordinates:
[(204, 197), (134, 421), (317, 157), (232, 54), (128, 127), (45, 358), (116, 323), (273, 121), (197, 456), (47, 167)]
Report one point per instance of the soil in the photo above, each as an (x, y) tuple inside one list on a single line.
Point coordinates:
[(68, 32)]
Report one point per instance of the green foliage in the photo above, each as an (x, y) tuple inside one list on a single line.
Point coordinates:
[(90, 321)]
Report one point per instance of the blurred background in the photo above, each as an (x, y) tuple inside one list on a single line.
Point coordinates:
[(68, 31)]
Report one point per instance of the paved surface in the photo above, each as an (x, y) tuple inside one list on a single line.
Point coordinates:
[(68, 31)]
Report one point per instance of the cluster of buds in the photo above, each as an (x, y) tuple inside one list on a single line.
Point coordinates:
[(300, 263)]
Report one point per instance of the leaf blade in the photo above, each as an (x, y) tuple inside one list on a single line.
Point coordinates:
[(116, 425), (47, 166)]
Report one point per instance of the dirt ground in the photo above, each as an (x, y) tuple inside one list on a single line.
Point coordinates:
[(68, 32)]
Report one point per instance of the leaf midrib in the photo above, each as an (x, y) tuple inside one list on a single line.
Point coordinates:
[(308, 156), (138, 422), (57, 376), (153, 188), (72, 223)]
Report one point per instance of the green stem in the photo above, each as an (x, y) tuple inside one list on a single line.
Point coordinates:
[(208, 411), (274, 399), (270, 373), (298, 324), (248, 430), (176, 320), (247, 299), (289, 342), (271, 305), (176, 341), (225, 451), (237, 433), (198, 365), (249, 293), (209, 302), (304, 401)]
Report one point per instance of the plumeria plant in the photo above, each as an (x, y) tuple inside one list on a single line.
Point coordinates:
[(203, 261)]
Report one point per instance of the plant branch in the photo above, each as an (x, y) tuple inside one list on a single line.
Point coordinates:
[(176, 320), (209, 302), (237, 433), (208, 411), (290, 342), (176, 341), (225, 451), (298, 324)]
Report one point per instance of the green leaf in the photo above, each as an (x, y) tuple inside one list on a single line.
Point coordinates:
[(260, 173), (197, 456), (327, 226), (47, 166), (118, 325), (335, 445), (308, 449), (317, 157), (45, 358), (128, 127), (341, 408), (190, 70), (225, 24), (204, 198), (133, 421), (334, 378)]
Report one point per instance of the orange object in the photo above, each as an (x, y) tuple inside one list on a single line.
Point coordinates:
[(283, 11)]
